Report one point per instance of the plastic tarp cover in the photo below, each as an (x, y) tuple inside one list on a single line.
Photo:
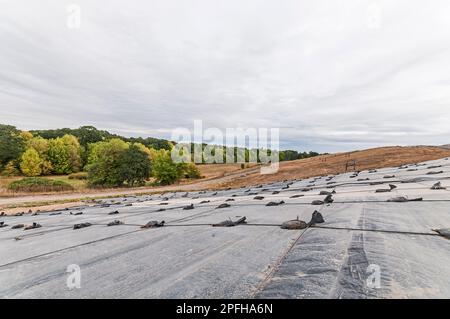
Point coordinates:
[(366, 248)]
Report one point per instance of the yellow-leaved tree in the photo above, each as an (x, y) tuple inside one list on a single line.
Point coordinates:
[(31, 163)]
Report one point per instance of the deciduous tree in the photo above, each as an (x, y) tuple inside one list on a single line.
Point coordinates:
[(31, 163), (65, 154), (103, 162), (164, 169), (11, 145), (134, 166)]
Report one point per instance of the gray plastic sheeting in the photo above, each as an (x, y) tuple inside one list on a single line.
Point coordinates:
[(367, 247)]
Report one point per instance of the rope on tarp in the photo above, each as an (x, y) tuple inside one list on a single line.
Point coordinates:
[(375, 230), (309, 226), (255, 204), (365, 183), (68, 248), (200, 214)]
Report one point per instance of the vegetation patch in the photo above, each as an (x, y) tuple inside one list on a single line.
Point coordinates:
[(191, 171), (36, 184), (79, 175)]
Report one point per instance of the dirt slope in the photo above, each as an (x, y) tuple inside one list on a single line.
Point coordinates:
[(335, 163)]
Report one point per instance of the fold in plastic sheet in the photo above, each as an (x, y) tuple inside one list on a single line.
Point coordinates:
[(341, 264)]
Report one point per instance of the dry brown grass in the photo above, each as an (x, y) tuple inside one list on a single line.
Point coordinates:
[(335, 163), (4, 182), (220, 170)]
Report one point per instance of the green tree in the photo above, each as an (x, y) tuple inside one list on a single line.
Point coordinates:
[(65, 154), (41, 145), (164, 169), (26, 136), (31, 163), (145, 149), (74, 152), (59, 157), (89, 134), (11, 145), (103, 162), (133, 167)]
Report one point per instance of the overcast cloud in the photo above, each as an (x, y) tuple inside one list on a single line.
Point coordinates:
[(332, 75)]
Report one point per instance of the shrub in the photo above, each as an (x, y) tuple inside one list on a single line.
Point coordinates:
[(164, 169), (11, 169), (191, 171), (37, 184), (79, 175)]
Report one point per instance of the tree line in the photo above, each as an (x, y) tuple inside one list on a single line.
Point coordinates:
[(107, 159), (89, 134)]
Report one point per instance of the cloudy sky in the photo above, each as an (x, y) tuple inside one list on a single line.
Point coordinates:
[(332, 75)]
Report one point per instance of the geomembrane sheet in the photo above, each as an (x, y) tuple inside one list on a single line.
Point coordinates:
[(366, 248)]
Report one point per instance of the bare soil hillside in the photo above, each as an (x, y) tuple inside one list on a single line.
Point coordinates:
[(336, 163)]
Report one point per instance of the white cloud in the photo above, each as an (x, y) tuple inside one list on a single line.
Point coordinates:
[(333, 75)]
